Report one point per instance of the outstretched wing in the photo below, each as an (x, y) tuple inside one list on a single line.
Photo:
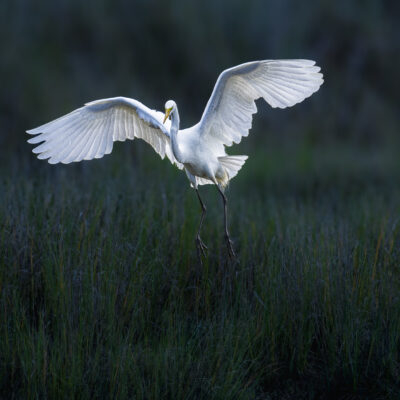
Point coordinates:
[(90, 131), (282, 83)]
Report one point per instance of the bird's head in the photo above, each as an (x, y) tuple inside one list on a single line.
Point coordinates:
[(170, 107)]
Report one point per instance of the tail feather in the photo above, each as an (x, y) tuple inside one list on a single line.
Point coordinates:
[(232, 165)]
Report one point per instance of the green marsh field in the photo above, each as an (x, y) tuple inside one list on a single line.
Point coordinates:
[(102, 294)]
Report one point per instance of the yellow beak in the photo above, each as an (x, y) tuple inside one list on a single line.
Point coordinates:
[(167, 112)]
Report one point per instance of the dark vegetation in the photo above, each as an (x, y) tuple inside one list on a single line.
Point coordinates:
[(101, 291)]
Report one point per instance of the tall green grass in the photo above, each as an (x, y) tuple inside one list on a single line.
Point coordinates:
[(102, 294)]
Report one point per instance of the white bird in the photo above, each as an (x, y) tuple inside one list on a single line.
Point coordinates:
[(89, 131)]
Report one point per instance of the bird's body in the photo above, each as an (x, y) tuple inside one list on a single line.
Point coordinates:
[(201, 164), (89, 132)]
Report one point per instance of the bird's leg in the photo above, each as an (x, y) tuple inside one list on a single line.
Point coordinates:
[(201, 247), (228, 240)]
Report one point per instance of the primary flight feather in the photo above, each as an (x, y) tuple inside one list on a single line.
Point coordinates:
[(90, 131)]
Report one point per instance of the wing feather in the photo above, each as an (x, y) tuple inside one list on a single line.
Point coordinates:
[(109, 143), (282, 83), (96, 139), (101, 150), (75, 142), (89, 132), (81, 140), (67, 143), (84, 144)]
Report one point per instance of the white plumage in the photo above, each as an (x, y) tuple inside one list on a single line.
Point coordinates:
[(89, 131)]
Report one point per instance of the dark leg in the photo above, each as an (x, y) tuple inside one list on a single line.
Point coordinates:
[(227, 238), (201, 247)]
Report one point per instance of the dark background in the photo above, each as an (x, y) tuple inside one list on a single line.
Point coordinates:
[(57, 55)]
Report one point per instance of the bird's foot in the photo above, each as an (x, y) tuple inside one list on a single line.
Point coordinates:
[(201, 247), (229, 245)]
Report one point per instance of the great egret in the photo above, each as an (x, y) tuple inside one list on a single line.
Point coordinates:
[(89, 131)]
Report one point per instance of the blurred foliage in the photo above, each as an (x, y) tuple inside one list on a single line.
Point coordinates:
[(58, 55), (102, 295)]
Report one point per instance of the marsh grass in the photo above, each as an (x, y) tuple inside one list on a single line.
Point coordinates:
[(102, 295)]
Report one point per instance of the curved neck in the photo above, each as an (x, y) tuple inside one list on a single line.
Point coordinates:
[(174, 136)]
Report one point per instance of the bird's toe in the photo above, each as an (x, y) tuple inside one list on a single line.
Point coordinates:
[(229, 245), (201, 247)]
